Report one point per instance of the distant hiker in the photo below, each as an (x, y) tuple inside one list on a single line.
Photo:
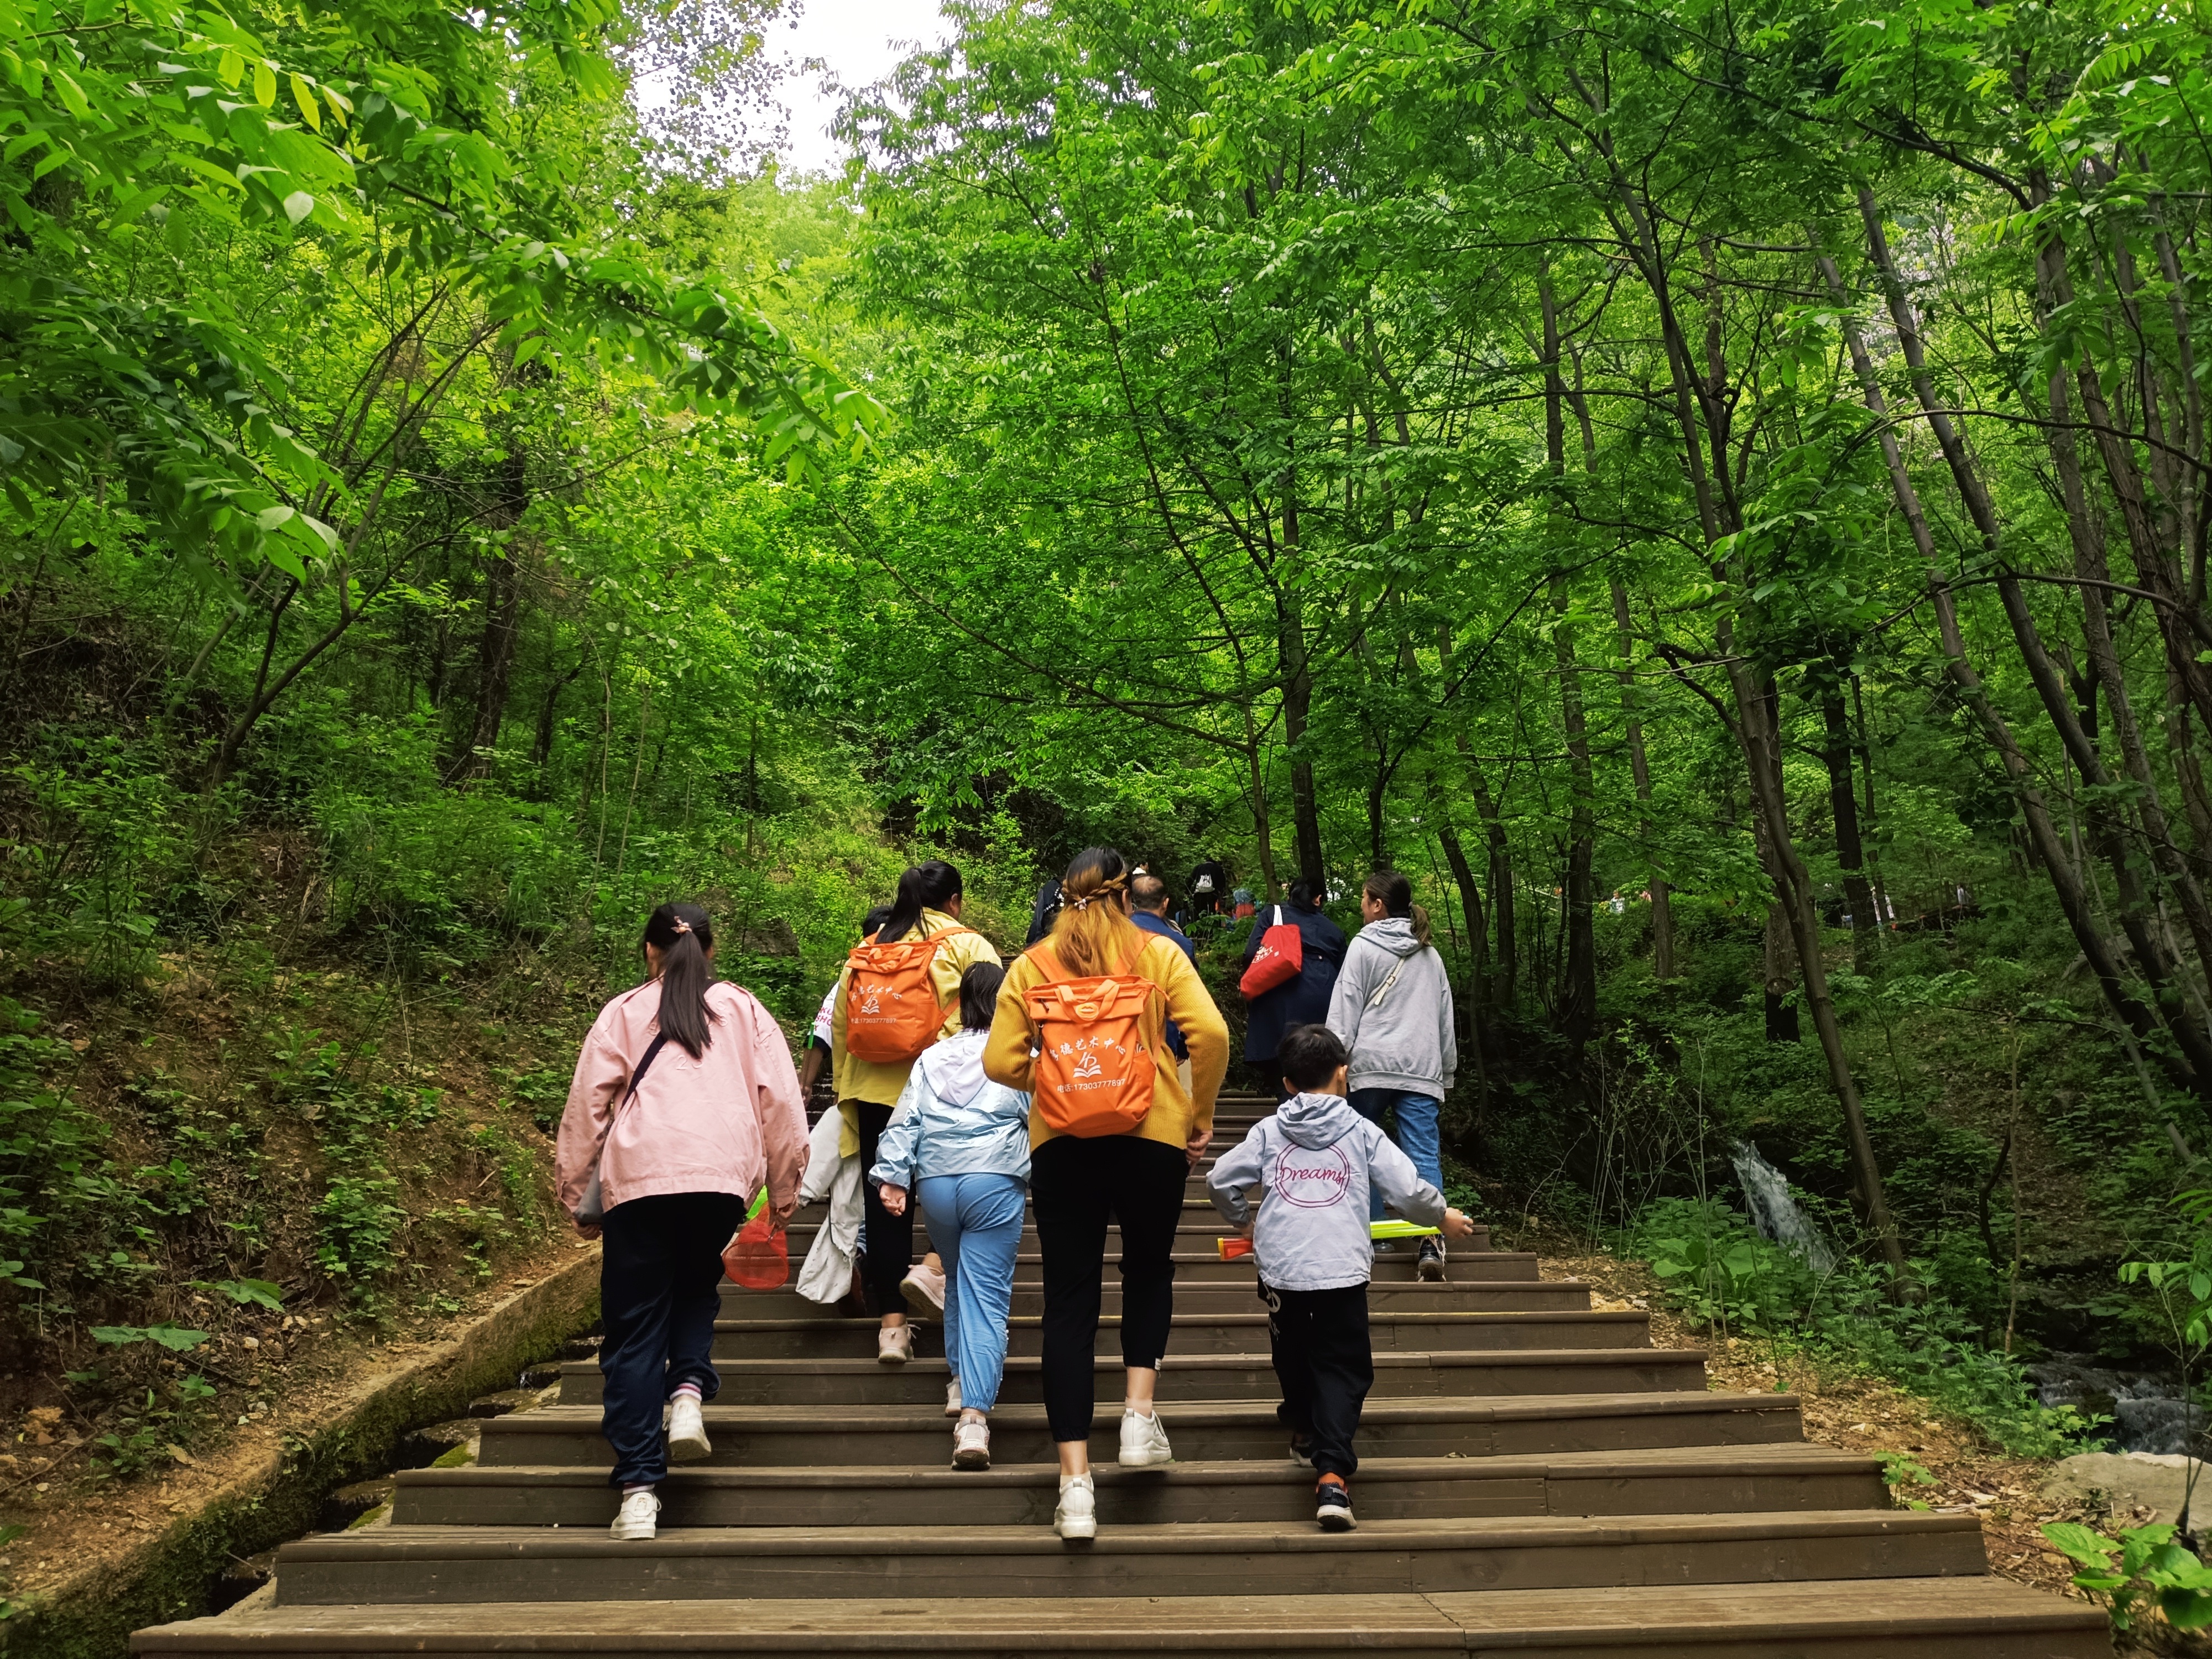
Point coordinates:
[(817, 1058), (1113, 1134), (1148, 909), (1319, 1162), (1301, 1000), (907, 975), (1041, 912), (1209, 887), (1244, 905), (968, 1138), (1392, 1008), (685, 1105)]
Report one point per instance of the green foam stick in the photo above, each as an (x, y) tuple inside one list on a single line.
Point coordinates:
[(1398, 1230)]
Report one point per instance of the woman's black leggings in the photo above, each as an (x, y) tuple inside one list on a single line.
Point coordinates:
[(1076, 1185), (889, 1237)]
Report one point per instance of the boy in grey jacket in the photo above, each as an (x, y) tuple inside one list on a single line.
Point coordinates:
[(1318, 1158)]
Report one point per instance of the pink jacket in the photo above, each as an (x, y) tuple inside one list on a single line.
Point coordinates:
[(721, 1123)]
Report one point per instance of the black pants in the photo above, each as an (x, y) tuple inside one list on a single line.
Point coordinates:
[(660, 1281), (1324, 1365), (1076, 1185), (890, 1241), (1268, 1078)]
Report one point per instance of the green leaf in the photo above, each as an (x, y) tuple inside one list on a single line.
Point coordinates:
[(298, 205), (264, 86), (2082, 1543)]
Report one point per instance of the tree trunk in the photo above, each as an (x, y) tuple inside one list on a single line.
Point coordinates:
[(502, 599), (1577, 1010), (1662, 909), (1577, 1003), (1843, 803)]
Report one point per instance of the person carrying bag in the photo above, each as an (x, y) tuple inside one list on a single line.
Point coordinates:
[(685, 1105), (1079, 1026)]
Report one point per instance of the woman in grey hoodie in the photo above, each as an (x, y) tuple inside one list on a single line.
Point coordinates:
[(1391, 1009)]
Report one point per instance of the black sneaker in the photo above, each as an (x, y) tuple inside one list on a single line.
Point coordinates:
[(1332, 1505), (1302, 1451), (1431, 1266)]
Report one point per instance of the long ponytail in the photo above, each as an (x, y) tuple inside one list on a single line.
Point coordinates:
[(929, 886), (1092, 934), (683, 934), (1394, 893)]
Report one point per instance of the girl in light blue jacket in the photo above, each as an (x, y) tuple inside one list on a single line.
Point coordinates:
[(968, 1138)]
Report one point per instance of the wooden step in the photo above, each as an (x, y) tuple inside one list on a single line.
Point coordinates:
[(1919, 1617), (1194, 1377), (832, 1337), (1231, 1295), (1198, 1230), (446, 1565), (756, 1437), (1708, 1479), (1207, 1267)]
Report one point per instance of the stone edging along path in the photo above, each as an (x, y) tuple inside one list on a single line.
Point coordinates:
[(170, 1575)]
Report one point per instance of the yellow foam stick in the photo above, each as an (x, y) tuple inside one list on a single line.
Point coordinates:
[(1398, 1230)]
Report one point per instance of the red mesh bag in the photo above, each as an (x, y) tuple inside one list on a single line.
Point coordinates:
[(756, 1258)]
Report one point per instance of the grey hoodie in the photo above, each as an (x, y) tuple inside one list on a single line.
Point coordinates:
[(1316, 1157), (1405, 1041)]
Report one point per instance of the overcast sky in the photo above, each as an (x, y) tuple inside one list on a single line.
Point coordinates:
[(855, 37)]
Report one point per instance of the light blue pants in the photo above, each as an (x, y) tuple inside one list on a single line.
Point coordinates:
[(976, 1224), (1418, 1136)]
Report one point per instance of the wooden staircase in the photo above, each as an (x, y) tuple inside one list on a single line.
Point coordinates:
[(1536, 1478)]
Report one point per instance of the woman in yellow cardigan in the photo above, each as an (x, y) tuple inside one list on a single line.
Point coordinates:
[(927, 906), (1076, 1183)]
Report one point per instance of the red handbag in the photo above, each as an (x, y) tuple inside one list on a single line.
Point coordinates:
[(1280, 959), (756, 1258)]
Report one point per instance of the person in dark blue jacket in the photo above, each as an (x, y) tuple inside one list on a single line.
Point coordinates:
[(1148, 909), (1301, 1001)]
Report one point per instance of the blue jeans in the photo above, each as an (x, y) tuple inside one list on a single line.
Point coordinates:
[(976, 1223), (1418, 1135)]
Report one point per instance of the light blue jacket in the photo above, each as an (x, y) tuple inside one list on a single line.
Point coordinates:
[(952, 1120)]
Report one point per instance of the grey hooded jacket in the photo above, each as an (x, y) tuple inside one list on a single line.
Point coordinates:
[(1316, 1157), (1406, 1041)]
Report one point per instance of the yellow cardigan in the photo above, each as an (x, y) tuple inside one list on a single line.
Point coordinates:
[(1175, 1115), (868, 1080)]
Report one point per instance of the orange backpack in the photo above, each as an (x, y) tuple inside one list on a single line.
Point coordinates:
[(1093, 1073), (891, 1010)]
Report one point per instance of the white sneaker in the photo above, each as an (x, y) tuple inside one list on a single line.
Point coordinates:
[(952, 1398), (687, 1431), (1144, 1442), (923, 1290), (1078, 1514), (894, 1344), (971, 1445), (635, 1519)]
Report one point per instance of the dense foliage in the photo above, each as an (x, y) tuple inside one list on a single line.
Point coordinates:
[(1719, 500)]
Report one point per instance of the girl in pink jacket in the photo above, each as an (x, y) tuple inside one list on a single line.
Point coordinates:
[(685, 1105)]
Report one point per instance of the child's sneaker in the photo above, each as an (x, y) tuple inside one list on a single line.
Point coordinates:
[(1078, 1514), (1333, 1504), (638, 1518), (894, 1344), (971, 1445), (1144, 1442), (952, 1398), (687, 1430), (1431, 1266), (1302, 1451)]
